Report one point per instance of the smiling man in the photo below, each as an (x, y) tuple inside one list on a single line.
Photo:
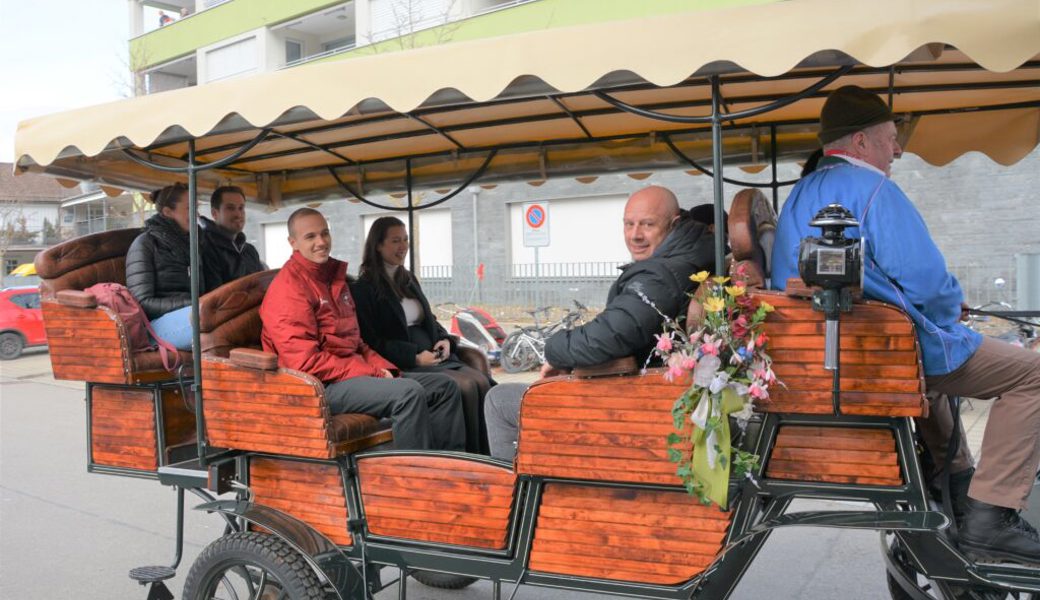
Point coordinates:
[(309, 321), (667, 246), (227, 245)]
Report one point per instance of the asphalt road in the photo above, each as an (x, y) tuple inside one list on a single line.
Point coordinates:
[(65, 533)]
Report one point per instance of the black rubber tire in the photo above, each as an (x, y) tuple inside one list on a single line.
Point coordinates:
[(524, 358), (444, 581), (281, 562), (11, 346)]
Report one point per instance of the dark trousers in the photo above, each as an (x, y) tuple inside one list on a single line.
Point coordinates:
[(474, 385), (425, 408)]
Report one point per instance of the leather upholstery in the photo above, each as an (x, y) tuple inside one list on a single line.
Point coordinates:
[(229, 316), (80, 263), (752, 229), (254, 359), (350, 426), (77, 298)]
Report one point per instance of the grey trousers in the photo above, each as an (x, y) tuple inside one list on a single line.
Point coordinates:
[(502, 413), (426, 408)]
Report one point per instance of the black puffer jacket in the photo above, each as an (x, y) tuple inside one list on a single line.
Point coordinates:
[(233, 255), (627, 326), (158, 266)]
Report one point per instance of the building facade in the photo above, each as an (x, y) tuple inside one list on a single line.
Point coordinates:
[(470, 248), (31, 219)]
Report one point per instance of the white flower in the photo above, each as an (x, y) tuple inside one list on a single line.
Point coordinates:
[(740, 388), (707, 366)]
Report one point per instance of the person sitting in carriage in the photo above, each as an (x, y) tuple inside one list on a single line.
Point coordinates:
[(667, 246), (235, 257), (904, 267), (309, 321)]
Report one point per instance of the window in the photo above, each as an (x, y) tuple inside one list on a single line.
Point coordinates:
[(10, 265), (28, 300), (393, 18), (234, 59), (293, 51), (276, 244)]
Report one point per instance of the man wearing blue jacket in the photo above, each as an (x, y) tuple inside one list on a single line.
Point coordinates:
[(904, 267)]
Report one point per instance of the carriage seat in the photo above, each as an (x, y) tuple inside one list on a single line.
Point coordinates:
[(88, 342), (252, 404)]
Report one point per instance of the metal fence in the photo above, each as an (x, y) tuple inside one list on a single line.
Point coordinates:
[(514, 288)]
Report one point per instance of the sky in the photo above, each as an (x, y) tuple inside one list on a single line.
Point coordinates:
[(59, 55)]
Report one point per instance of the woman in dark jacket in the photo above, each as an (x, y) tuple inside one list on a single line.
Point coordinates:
[(396, 320), (158, 267)]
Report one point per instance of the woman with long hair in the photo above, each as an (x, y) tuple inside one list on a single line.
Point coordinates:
[(158, 271), (396, 320)]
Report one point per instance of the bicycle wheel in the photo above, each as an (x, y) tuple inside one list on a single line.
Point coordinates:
[(517, 355)]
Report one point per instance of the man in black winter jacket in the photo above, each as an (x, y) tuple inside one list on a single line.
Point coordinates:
[(225, 243), (667, 246)]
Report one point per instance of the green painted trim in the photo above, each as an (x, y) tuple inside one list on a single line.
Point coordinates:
[(542, 14), (213, 25)]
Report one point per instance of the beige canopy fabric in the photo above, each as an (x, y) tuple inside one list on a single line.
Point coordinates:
[(965, 73)]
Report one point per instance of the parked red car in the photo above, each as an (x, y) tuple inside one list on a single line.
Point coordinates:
[(21, 321)]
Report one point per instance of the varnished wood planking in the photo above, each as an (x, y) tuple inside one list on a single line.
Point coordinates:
[(437, 499), (85, 344), (122, 428), (317, 498), (623, 534), (284, 415), (835, 455)]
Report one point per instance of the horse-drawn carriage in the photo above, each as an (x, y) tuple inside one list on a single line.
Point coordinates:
[(592, 501)]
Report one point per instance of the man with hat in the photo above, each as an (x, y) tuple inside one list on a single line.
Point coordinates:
[(903, 266)]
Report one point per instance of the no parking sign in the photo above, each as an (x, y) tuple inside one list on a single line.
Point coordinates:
[(536, 224)]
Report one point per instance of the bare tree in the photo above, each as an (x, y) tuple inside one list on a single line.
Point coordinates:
[(12, 226), (413, 16)]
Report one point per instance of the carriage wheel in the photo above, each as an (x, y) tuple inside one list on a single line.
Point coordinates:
[(517, 355), (444, 581), (251, 566)]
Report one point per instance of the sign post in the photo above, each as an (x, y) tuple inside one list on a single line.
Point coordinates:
[(536, 235)]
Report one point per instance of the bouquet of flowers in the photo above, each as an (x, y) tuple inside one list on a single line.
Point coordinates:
[(725, 359)]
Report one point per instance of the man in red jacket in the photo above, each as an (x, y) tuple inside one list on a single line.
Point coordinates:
[(309, 322)]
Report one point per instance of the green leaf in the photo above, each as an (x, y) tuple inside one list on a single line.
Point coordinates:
[(674, 455), (674, 438)]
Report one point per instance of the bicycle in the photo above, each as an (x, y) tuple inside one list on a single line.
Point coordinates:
[(524, 349)]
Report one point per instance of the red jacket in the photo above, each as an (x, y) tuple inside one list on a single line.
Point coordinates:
[(309, 322)]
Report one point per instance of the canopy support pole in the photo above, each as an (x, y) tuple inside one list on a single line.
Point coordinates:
[(411, 216), (716, 166), (194, 266), (774, 184)]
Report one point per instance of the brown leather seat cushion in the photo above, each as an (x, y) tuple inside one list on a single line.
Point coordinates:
[(350, 426), (151, 360), (80, 263)]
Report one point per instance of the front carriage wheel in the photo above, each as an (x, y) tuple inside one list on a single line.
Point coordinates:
[(253, 566)]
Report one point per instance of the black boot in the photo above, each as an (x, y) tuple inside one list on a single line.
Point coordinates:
[(959, 483), (996, 533)]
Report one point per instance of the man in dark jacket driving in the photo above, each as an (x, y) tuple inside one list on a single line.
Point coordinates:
[(666, 246)]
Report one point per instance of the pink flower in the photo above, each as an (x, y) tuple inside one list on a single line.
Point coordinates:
[(674, 372), (664, 343), (688, 362), (758, 392), (711, 349)]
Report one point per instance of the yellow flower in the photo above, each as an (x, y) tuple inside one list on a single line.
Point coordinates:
[(720, 280), (736, 290), (766, 307), (699, 277), (714, 304)]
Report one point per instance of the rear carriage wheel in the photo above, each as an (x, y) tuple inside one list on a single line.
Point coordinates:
[(253, 566), (517, 355), (444, 581)]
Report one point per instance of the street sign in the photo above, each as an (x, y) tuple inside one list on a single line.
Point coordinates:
[(536, 224)]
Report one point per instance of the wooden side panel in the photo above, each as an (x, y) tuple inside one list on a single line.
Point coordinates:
[(643, 536), (836, 455), (311, 492), (178, 419), (881, 370), (122, 428), (608, 429), (437, 499), (264, 411), (85, 344)]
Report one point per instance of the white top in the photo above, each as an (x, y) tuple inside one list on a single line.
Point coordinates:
[(413, 312)]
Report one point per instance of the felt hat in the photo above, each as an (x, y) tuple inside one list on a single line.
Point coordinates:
[(850, 109)]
